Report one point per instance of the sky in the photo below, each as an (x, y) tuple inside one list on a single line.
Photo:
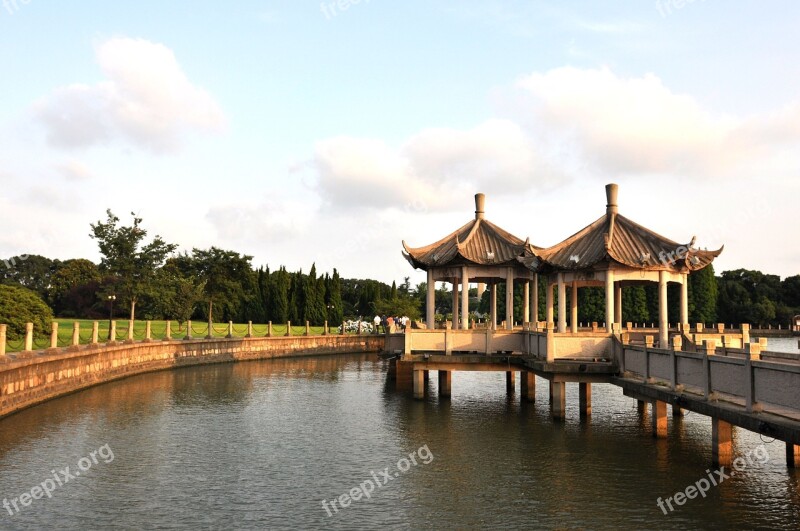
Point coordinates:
[(302, 132)]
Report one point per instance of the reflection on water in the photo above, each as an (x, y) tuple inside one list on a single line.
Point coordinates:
[(262, 444)]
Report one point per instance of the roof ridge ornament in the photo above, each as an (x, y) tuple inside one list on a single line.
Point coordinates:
[(480, 204)]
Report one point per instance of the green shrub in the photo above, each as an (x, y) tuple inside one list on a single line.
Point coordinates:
[(19, 306)]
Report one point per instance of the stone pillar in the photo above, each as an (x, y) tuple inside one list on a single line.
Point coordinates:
[(745, 333), (130, 329), (464, 298), (481, 290), (148, 331), (76, 334), (430, 302), (456, 306), (609, 300), (535, 300), (510, 382), (269, 328), (562, 304), (721, 443), (230, 330), (308, 329), (558, 401), (618, 302), (3, 332), (493, 306), (96, 332), (168, 331), (188, 330), (663, 330), (792, 455), (419, 383), (585, 398), (28, 337), (685, 301), (527, 384), (526, 301), (445, 382), (510, 299), (112, 332), (548, 298), (54, 335), (325, 330), (250, 328), (659, 418), (289, 328), (574, 307)]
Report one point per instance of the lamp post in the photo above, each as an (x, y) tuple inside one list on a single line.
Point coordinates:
[(111, 299)]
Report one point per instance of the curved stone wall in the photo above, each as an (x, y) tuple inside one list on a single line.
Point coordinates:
[(34, 377)]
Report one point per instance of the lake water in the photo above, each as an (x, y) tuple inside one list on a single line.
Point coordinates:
[(260, 445)]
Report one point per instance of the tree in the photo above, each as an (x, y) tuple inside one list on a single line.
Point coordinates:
[(29, 271), (634, 305), (73, 287), (703, 294), (333, 298), (127, 258), (280, 284), (227, 278), (178, 293), (19, 306), (314, 297)]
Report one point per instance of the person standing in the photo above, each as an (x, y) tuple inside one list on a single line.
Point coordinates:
[(377, 322)]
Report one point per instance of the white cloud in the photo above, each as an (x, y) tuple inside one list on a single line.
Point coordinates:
[(73, 170), (146, 100)]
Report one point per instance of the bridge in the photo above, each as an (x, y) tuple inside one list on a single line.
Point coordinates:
[(720, 373)]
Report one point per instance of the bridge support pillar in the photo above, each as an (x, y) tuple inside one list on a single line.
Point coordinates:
[(659, 419), (792, 455), (510, 381), (558, 403), (404, 375), (721, 442), (419, 383), (445, 382), (677, 411), (640, 408), (527, 384), (585, 398)]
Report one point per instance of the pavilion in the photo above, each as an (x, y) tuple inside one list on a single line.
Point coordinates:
[(480, 252), (615, 252)]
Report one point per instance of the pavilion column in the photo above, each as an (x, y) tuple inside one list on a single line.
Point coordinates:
[(618, 302), (609, 300), (526, 302), (455, 304), (510, 299), (464, 298), (562, 304), (549, 301), (685, 299), (663, 331), (574, 307), (481, 289), (493, 305), (535, 298), (430, 303)]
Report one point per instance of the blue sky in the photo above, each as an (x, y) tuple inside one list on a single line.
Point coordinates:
[(302, 132)]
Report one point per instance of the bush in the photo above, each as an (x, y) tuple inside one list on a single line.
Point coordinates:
[(19, 306)]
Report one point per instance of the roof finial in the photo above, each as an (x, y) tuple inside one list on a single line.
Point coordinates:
[(611, 197), (480, 201)]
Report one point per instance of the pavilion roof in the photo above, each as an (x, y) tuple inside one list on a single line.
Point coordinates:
[(616, 238), (479, 242)]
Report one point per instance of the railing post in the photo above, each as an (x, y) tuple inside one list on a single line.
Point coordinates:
[(249, 329), (3, 333), (54, 335), (269, 329), (112, 332), (752, 352), (188, 330), (95, 332), (168, 331), (745, 333), (707, 349), (288, 328), (325, 331), (28, 337), (677, 343), (130, 330), (210, 328), (344, 330), (308, 329), (76, 334), (148, 331), (230, 329)]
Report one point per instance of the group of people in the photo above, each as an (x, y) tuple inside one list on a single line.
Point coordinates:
[(390, 324)]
